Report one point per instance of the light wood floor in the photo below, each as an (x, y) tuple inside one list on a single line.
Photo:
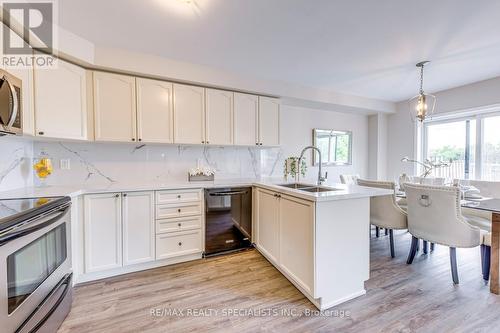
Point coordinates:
[(400, 298)]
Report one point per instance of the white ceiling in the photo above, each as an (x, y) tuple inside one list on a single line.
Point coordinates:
[(360, 47)]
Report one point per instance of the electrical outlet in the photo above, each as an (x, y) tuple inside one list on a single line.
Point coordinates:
[(65, 164)]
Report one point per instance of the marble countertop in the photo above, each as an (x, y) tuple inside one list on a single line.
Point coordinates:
[(341, 191)]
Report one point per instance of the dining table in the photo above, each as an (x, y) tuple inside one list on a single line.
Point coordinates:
[(493, 206)]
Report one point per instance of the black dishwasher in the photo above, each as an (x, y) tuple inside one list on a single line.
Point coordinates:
[(228, 219)]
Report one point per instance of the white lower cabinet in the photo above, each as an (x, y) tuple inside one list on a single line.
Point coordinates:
[(175, 244), (285, 227), (130, 231), (119, 230), (138, 227), (103, 231), (296, 242), (267, 207), (178, 223)]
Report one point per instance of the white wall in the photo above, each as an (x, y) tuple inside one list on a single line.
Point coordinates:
[(401, 131), (297, 124), (15, 163)]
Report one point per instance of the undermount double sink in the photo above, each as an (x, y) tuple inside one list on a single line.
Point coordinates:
[(309, 187)]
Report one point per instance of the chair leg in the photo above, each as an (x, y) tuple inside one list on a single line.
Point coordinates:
[(386, 231), (377, 231), (485, 261), (453, 263), (432, 247), (424, 246), (413, 250), (391, 240)]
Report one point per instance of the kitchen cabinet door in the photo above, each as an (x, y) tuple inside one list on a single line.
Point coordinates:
[(102, 232), (61, 102), (114, 107), (269, 121), (138, 227), (296, 230), (155, 121), (246, 113), (219, 117), (189, 114), (268, 227)]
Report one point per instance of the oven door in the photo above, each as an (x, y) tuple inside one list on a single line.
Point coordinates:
[(10, 104), (35, 261)]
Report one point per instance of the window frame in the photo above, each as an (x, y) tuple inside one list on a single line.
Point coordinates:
[(478, 114)]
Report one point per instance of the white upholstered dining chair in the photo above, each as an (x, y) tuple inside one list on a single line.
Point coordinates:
[(349, 179), (434, 214), (384, 212)]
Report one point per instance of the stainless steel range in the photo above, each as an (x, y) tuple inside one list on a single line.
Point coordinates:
[(35, 274)]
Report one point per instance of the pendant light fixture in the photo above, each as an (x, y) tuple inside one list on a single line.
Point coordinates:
[(422, 105)]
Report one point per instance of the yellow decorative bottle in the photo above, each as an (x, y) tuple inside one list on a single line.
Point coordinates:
[(43, 167)]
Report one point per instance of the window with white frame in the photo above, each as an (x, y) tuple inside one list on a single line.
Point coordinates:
[(470, 144)]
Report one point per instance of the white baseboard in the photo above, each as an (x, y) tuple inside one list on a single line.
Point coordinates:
[(90, 277)]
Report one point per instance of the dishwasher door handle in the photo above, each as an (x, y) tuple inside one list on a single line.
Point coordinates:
[(223, 194)]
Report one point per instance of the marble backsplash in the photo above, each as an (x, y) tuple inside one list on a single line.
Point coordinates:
[(102, 163), (15, 162)]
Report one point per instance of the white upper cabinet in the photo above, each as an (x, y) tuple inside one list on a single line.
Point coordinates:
[(61, 102), (269, 121), (189, 114), (154, 111), (219, 117), (114, 107), (246, 113), (138, 227)]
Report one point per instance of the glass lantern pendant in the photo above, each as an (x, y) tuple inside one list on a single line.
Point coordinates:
[(422, 105)]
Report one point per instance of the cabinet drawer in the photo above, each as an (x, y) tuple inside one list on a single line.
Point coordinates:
[(177, 210), (175, 244), (178, 224), (175, 196)]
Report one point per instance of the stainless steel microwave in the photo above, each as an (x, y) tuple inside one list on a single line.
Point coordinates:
[(10, 104)]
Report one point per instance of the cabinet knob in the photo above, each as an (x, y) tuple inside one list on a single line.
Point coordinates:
[(203, 142), (41, 133), (256, 143), (180, 243), (260, 144), (207, 142), (178, 196), (140, 139), (179, 210), (179, 224), (133, 139), (124, 194), (117, 195)]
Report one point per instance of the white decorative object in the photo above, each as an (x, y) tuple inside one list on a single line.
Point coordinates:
[(428, 165), (201, 173)]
